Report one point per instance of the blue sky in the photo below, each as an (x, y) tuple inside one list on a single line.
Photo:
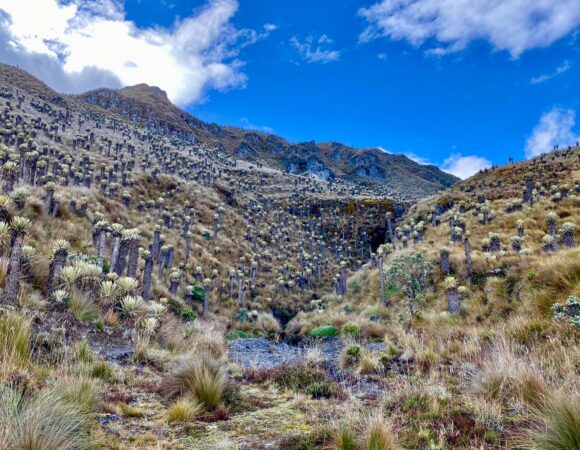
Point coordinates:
[(457, 83)]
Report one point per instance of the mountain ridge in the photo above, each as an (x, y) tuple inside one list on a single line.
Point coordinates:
[(389, 174)]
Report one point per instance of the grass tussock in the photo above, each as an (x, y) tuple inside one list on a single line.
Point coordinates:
[(43, 421), (557, 424), (184, 410), (507, 377), (82, 307), (81, 392), (379, 435), (201, 378), (14, 342)]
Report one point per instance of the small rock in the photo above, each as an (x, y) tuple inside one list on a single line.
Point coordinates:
[(407, 358)]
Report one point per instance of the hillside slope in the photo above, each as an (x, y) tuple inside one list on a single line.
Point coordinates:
[(162, 294)]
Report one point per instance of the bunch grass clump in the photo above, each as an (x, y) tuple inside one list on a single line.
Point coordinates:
[(557, 424), (42, 421), (14, 341), (201, 378)]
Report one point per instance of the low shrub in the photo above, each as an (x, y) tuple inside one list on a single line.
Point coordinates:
[(198, 293), (306, 379), (351, 329), (188, 314), (323, 331), (232, 335)]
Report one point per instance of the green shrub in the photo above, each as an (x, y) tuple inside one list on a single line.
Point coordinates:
[(323, 331), (106, 265), (232, 335), (198, 293), (307, 379), (409, 273), (188, 313), (351, 329)]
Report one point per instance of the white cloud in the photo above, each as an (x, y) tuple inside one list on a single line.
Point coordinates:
[(418, 159), (556, 127), (451, 25), (464, 166), (250, 126), (82, 44), (562, 68), (315, 51)]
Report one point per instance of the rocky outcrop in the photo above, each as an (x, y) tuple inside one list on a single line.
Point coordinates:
[(372, 171)]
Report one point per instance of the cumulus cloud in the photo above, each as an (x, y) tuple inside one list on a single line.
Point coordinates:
[(562, 68), (314, 50), (448, 26), (464, 166), (556, 127), (82, 44)]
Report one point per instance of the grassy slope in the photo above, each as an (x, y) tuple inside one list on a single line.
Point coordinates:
[(469, 381)]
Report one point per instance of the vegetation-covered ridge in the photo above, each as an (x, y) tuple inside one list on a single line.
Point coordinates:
[(148, 107), (158, 293)]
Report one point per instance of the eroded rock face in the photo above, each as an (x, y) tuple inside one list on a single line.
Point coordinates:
[(312, 166), (337, 152), (253, 139), (317, 168), (372, 171), (245, 151), (365, 160), (274, 145)]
